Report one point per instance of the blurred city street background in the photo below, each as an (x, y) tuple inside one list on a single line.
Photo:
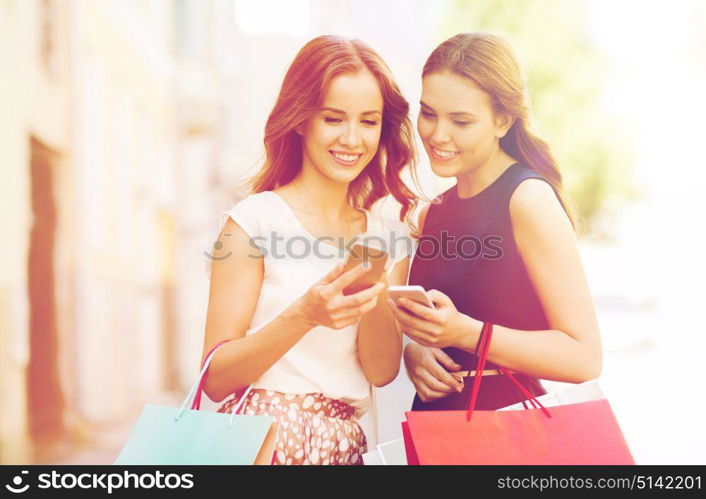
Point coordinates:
[(128, 124)]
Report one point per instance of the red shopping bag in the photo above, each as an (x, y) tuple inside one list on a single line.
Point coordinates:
[(582, 433), (408, 445)]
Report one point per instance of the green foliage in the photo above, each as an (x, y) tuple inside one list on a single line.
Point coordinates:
[(566, 74)]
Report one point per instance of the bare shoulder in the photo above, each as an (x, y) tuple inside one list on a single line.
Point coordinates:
[(535, 203), (233, 236), (532, 191), (234, 250)]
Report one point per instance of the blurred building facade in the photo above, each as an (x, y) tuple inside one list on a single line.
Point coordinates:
[(99, 146), (126, 126), (35, 276)]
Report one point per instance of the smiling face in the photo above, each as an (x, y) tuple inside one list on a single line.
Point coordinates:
[(342, 137), (457, 124)]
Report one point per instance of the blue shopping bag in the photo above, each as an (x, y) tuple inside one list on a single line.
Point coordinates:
[(170, 435)]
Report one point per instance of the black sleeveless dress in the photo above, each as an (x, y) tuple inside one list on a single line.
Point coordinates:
[(468, 252)]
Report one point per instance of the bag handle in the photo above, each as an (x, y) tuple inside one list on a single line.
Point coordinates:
[(482, 349), (196, 404), (480, 352), (532, 399), (199, 384)]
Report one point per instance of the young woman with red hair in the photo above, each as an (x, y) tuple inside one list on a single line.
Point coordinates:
[(523, 272), (336, 142)]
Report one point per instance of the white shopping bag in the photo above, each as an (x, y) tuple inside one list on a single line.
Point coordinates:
[(582, 392), (372, 458), (390, 453)]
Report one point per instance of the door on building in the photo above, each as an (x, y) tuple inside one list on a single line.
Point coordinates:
[(45, 401)]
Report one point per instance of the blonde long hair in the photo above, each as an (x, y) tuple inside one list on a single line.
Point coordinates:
[(489, 62)]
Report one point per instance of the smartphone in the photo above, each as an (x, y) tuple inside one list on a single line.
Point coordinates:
[(377, 258), (414, 293)]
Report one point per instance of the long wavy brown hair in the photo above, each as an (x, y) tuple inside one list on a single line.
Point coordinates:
[(490, 63), (302, 93)]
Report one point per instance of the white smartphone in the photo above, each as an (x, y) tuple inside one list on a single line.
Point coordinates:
[(414, 293)]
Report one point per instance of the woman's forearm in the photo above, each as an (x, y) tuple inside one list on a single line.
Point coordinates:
[(547, 354), (241, 362), (380, 343)]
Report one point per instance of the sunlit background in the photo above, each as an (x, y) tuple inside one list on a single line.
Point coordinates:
[(126, 126)]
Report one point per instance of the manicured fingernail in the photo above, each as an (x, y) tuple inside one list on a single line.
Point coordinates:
[(366, 265)]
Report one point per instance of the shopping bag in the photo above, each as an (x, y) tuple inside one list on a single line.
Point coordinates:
[(372, 458), (411, 452), (573, 394), (170, 435), (576, 433), (390, 453)]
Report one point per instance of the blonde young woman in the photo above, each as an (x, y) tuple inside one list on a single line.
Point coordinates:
[(336, 142), (506, 252)]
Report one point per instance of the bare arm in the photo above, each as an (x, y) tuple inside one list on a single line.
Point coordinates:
[(236, 281), (379, 337), (571, 349), (235, 288)]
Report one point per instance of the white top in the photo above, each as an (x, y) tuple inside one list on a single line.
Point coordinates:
[(325, 360)]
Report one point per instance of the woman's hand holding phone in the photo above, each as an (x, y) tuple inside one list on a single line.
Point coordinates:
[(325, 304), (440, 327)]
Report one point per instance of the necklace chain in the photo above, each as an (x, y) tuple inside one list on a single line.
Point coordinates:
[(312, 214)]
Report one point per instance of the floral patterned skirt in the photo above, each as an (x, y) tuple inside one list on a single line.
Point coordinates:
[(313, 429)]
